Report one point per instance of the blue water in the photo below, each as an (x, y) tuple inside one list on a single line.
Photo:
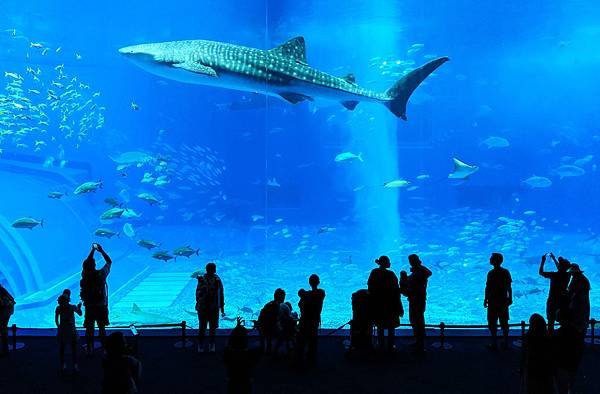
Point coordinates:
[(523, 72)]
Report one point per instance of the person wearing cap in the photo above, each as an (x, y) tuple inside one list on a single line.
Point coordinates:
[(559, 280), (498, 297), (578, 294), (384, 300), (414, 287)]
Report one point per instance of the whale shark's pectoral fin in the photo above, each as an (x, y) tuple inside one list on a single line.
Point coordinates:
[(197, 68), (294, 98), (350, 78), (350, 105), (294, 48)]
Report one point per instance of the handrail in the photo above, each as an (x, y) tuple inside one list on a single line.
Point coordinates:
[(441, 326)]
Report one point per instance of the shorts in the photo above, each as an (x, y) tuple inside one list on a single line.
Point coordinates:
[(495, 313), (67, 335), (96, 313)]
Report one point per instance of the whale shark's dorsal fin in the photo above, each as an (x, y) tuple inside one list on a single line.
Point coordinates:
[(135, 308), (294, 48)]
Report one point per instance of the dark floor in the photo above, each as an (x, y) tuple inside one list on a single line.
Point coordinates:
[(467, 368)]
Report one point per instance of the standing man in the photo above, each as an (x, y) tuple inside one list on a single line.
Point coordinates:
[(384, 300), (559, 280), (414, 286), (7, 308), (94, 294), (311, 305), (498, 297), (209, 300)]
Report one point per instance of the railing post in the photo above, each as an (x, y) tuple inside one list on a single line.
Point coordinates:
[(442, 327), (593, 323), (14, 336), (522, 329), (183, 332)]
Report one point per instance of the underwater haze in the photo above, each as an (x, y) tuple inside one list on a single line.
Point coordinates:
[(169, 175)]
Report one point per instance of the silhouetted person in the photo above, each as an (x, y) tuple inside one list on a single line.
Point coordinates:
[(289, 328), (578, 294), (122, 372), (269, 321), (537, 367), (7, 308), (384, 299), (311, 306), (414, 287), (240, 361), (498, 297), (64, 317), (559, 281), (94, 294), (568, 352), (209, 300)]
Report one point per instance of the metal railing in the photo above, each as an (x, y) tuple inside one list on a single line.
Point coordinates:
[(442, 327)]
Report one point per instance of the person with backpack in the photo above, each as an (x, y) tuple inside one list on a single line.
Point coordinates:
[(7, 308), (311, 306), (64, 317), (269, 321), (209, 300), (94, 294)]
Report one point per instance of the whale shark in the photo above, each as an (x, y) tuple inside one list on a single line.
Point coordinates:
[(282, 71)]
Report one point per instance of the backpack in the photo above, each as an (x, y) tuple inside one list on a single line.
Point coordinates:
[(268, 316), (6, 300), (92, 289), (208, 291)]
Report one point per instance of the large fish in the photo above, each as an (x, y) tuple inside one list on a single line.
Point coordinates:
[(282, 71)]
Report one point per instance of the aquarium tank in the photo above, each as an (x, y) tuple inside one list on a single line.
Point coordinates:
[(300, 137)]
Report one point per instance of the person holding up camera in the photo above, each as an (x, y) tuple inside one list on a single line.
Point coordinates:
[(559, 280), (94, 294)]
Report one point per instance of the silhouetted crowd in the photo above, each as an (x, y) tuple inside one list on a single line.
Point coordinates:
[(550, 357)]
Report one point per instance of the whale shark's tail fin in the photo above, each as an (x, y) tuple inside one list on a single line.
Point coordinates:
[(401, 91)]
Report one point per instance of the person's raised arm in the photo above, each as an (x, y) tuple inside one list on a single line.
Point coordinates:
[(554, 259), (108, 262), (91, 254), (105, 256), (541, 270), (78, 309)]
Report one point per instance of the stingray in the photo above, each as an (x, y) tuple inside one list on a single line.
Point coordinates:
[(462, 170)]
